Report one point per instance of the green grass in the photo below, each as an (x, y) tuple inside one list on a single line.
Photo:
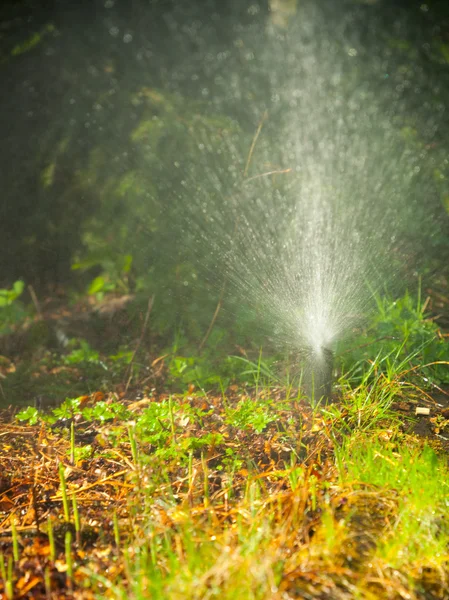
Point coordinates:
[(245, 493)]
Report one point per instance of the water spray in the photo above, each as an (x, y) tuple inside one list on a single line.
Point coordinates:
[(316, 374), (313, 200)]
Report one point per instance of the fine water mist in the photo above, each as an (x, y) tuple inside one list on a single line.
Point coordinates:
[(281, 159), (324, 198)]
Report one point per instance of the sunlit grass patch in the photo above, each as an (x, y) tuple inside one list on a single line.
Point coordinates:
[(248, 493), (415, 536)]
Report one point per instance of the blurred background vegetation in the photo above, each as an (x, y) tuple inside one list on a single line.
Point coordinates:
[(103, 100)]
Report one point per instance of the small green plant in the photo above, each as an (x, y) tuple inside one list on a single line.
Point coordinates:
[(115, 272), (82, 353), (296, 475), (30, 414), (202, 371), (82, 453), (101, 412), (68, 409), (155, 424), (214, 368), (232, 462), (250, 414), (210, 440), (12, 311), (7, 297)]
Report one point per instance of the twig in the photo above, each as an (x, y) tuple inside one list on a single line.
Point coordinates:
[(142, 333), (245, 173), (89, 486), (254, 142), (435, 362), (214, 318), (384, 337), (35, 301), (431, 364), (279, 171)]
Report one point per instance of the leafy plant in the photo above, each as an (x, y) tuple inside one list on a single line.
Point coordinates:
[(83, 353), (115, 271), (83, 453), (250, 414), (29, 414), (154, 425), (210, 440), (11, 311), (101, 411), (232, 461), (7, 297)]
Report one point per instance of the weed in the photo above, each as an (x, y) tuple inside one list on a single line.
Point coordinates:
[(12, 311), (103, 411), (72, 407), (250, 415), (115, 275), (31, 415), (8, 297), (209, 440), (82, 354)]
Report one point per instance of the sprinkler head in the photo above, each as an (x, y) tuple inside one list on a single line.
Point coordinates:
[(316, 374)]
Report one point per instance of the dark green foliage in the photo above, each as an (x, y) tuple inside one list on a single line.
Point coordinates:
[(100, 185)]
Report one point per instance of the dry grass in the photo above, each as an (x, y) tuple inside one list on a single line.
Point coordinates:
[(310, 507)]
